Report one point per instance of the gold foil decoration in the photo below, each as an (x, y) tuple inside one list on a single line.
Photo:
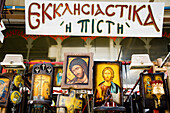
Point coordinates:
[(42, 86)]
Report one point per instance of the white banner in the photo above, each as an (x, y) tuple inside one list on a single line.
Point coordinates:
[(82, 18)]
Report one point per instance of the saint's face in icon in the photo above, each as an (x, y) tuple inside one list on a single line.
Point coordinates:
[(78, 68), (78, 71), (107, 75)]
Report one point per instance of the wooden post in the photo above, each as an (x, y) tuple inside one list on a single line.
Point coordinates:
[(159, 61), (159, 68)]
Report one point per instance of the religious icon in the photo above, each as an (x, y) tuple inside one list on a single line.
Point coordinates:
[(107, 83), (77, 71), (158, 90), (70, 102), (152, 90), (42, 81), (18, 81), (41, 86), (4, 85), (58, 76), (147, 85), (15, 97)]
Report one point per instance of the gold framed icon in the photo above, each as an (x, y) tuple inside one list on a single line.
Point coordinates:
[(77, 70)]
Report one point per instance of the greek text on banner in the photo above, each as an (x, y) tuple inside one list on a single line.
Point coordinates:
[(78, 18)]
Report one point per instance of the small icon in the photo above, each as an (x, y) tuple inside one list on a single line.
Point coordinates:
[(36, 69), (49, 69), (43, 66)]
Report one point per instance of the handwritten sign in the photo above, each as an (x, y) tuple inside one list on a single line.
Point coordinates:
[(82, 18)]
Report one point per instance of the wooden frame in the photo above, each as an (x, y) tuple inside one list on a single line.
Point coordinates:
[(148, 100), (42, 82), (80, 80), (6, 77), (58, 73), (108, 85)]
